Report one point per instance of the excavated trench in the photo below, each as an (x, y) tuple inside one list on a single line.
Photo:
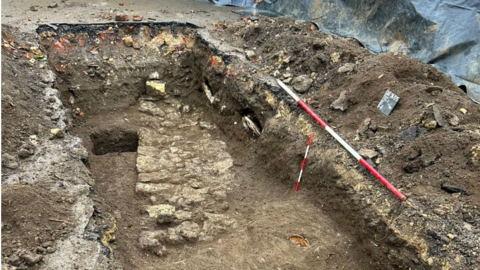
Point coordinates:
[(195, 164)]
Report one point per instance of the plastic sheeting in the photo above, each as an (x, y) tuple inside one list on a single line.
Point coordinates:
[(444, 33)]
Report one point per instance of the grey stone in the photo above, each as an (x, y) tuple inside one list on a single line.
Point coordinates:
[(150, 108), (188, 230), (31, 258), (9, 161), (151, 240), (438, 117), (154, 76), (410, 133), (341, 103), (346, 68), (302, 83), (368, 153), (24, 153)]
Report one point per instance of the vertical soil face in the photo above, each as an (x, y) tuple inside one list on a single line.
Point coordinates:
[(114, 140)]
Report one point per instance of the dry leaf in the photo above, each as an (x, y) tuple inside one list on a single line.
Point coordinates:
[(62, 68), (185, 40), (299, 240), (29, 56), (255, 59)]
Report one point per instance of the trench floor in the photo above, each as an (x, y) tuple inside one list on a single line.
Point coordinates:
[(230, 214)]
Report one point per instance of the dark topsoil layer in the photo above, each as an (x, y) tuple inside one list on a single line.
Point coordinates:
[(437, 168)]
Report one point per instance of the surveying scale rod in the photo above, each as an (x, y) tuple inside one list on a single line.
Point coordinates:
[(342, 142)]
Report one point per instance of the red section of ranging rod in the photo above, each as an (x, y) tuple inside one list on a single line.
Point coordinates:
[(303, 162), (343, 142)]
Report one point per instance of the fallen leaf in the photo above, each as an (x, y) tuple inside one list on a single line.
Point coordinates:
[(94, 49), (62, 68), (29, 56), (81, 113), (255, 59), (299, 240), (102, 36), (185, 40), (312, 27)]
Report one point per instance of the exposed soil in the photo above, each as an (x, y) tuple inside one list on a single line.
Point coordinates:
[(229, 192)]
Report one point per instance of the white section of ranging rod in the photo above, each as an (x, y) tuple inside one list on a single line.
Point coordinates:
[(306, 152), (343, 143), (289, 91), (300, 176)]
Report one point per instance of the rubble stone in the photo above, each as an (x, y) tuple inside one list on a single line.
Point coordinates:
[(302, 83), (348, 67)]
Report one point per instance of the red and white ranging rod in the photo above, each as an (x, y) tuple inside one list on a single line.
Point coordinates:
[(343, 143), (303, 163)]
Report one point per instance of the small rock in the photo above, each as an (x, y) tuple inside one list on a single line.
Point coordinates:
[(24, 153), (341, 102), (451, 236), (410, 133), (368, 153), (161, 209), (9, 161), (56, 133), (250, 54), (51, 249), (302, 83), (454, 120), (276, 73), (287, 81), (463, 110), (253, 18), (186, 108), (206, 125), (47, 244), (54, 5), (438, 117), (41, 250), (34, 8), (287, 75), (155, 88), (430, 124), (182, 215), (346, 68), (188, 230), (30, 258), (150, 240), (128, 41), (154, 76), (121, 17), (14, 260)]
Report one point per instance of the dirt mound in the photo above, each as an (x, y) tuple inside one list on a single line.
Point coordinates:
[(427, 146)]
